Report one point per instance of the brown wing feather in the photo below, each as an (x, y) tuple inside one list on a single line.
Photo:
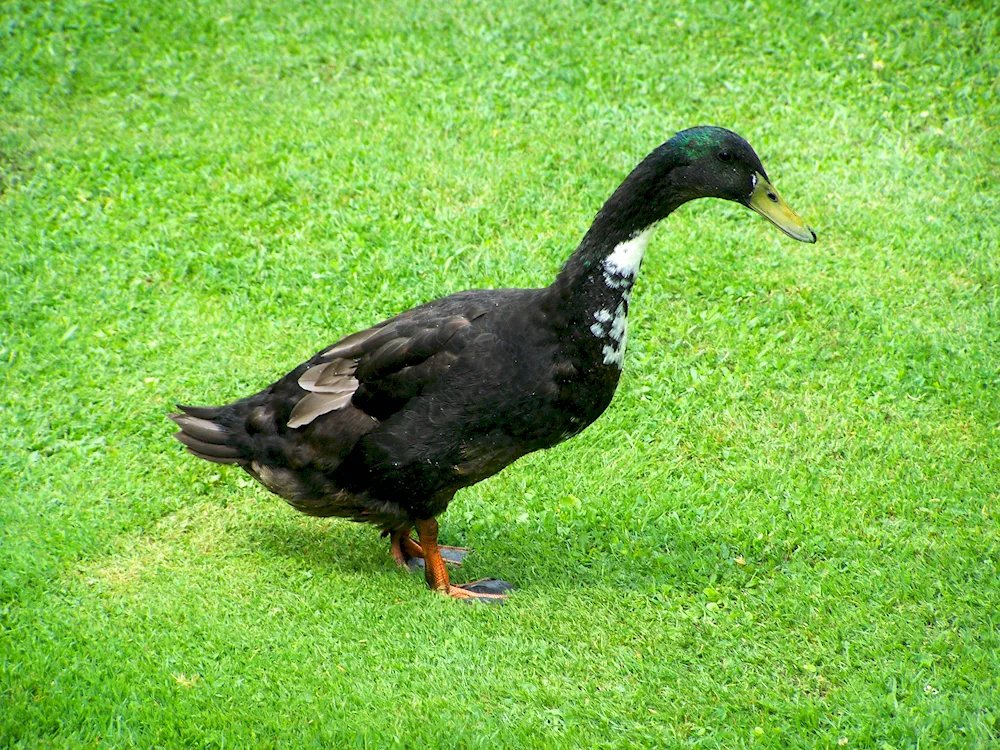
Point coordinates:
[(381, 368)]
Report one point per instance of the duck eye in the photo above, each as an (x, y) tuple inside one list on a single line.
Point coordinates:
[(724, 156)]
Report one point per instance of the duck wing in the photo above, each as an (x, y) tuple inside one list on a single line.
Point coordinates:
[(380, 369)]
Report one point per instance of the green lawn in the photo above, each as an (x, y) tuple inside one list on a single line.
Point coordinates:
[(785, 532)]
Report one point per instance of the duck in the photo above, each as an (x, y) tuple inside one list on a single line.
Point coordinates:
[(386, 425)]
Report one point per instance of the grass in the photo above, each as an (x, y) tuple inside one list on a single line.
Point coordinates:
[(784, 533)]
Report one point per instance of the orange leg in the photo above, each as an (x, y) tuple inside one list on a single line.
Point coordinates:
[(409, 555), (402, 547), (411, 548), (437, 572)]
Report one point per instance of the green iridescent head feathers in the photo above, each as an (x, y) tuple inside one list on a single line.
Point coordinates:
[(695, 143)]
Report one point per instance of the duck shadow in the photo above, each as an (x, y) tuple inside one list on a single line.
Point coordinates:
[(321, 544), (345, 548), (539, 562)]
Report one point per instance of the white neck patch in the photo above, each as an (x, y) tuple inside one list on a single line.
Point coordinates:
[(620, 269), (622, 264)]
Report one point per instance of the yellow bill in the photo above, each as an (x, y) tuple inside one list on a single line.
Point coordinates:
[(765, 200)]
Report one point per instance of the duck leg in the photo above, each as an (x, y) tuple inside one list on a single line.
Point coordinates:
[(410, 555), (487, 589)]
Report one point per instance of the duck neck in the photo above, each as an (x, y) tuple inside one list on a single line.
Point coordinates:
[(593, 290)]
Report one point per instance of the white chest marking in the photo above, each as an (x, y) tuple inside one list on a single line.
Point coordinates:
[(601, 316), (614, 351)]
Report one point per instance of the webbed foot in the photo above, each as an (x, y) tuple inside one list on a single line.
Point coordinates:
[(487, 590), (484, 590), (450, 555)]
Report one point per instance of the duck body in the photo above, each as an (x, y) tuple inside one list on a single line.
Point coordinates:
[(469, 384), (386, 425)]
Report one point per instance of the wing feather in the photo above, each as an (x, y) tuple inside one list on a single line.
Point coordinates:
[(330, 377), (314, 405), (378, 370)]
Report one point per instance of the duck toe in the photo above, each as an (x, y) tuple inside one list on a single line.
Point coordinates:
[(486, 589)]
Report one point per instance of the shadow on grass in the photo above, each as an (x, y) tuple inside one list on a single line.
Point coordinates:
[(320, 544), (333, 546), (531, 561)]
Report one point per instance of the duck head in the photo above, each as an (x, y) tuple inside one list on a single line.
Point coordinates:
[(712, 162)]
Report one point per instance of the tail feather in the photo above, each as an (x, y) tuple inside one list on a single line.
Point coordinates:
[(202, 412), (204, 438), (203, 429)]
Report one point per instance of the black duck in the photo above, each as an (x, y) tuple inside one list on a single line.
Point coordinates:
[(386, 425)]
